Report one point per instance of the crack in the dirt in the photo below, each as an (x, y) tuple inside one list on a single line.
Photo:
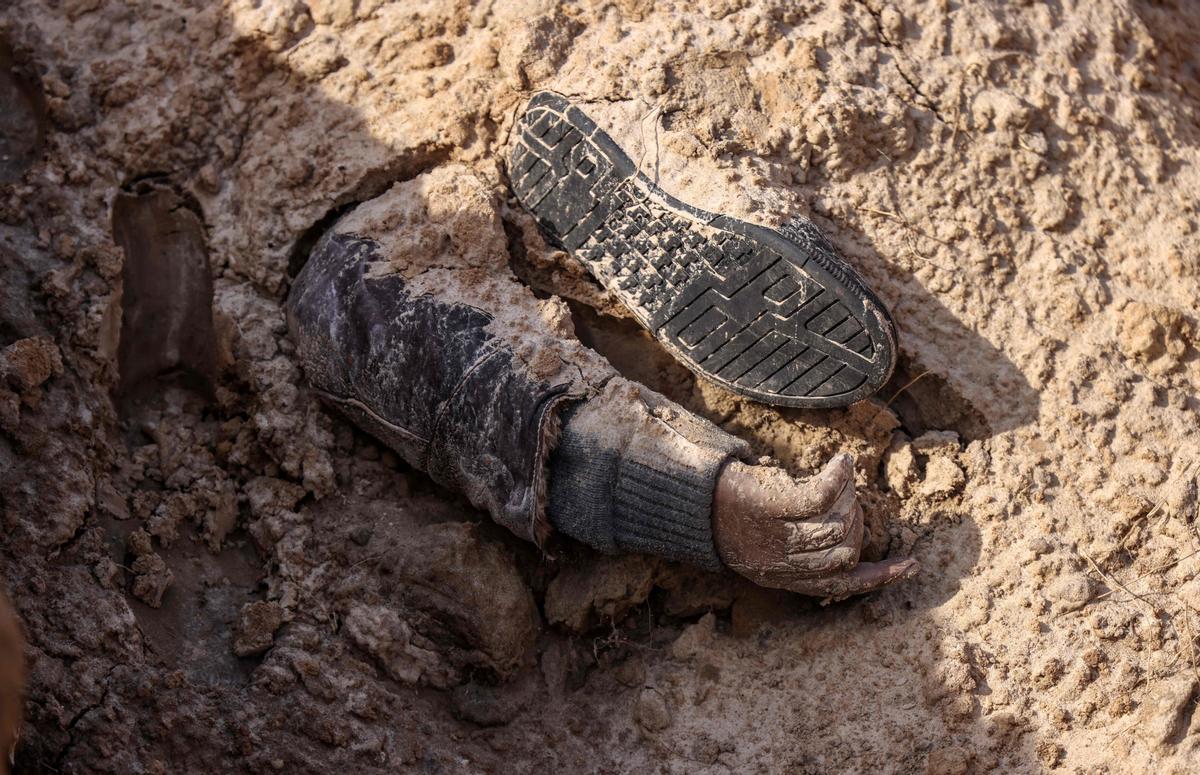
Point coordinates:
[(518, 259), (78, 719), (76, 536), (925, 101), (593, 98), (928, 103)]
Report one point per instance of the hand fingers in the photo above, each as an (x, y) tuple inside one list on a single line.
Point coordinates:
[(834, 528), (819, 494), (811, 536), (865, 577), (831, 559)]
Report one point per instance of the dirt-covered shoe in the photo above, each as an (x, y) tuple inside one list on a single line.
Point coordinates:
[(774, 315)]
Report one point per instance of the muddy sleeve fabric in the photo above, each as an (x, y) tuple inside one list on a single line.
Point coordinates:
[(634, 472), (428, 378), (431, 378)]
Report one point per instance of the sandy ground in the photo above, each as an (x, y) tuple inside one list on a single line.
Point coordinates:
[(219, 575)]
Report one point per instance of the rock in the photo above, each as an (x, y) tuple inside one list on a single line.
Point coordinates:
[(943, 477), (452, 602), (27, 363), (1167, 710), (952, 760), (631, 672), (650, 711), (254, 631), (900, 466), (695, 638), (602, 589), (1070, 592)]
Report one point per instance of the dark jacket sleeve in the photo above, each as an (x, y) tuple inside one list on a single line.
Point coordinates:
[(634, 472), (427, 379)]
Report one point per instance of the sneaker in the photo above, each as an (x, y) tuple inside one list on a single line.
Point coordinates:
[(771, 314)]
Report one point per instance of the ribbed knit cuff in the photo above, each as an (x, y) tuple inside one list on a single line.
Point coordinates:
[(662, 501), (582, 475), (633, 472)]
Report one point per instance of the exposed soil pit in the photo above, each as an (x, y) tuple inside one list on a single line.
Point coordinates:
[(23, 124), (166, 288), (925, 401), (215, 573)]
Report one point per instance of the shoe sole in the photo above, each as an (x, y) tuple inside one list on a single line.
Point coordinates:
[(773, 315)]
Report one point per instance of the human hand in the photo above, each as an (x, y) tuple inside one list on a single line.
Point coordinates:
[(803, 536)]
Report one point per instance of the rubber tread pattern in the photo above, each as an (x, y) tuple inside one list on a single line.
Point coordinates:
[(774, 315)]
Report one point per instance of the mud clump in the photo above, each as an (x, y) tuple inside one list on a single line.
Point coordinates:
[(1169, 717), (601, 590), (24, 366), (27, 363), (651, 711), (151, 576), (448, 602), (255, 629)]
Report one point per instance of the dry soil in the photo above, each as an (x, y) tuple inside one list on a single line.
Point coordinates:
[(215, 574)]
